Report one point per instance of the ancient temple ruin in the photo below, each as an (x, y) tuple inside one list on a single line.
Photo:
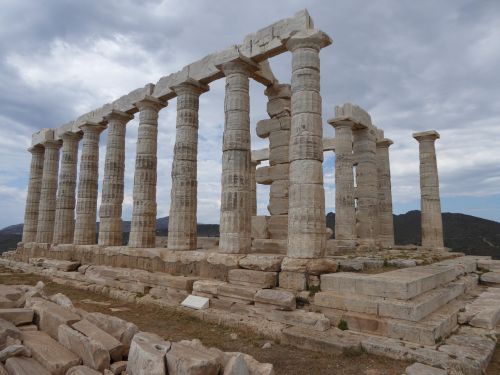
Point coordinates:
[(284, 268)]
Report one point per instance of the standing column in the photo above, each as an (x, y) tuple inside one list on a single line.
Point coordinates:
[(345, 211), (143, 228), (235, 213), (365, 154), (86, 205), (33, 197), (432, 222), (306, 214), (47, 207), (110, 212), (385, 218), (182, 234), (64, 228), (253, 187)]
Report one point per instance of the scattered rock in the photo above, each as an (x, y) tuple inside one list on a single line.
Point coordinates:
[(24, 366), (14, 351), (147, 355), (237, 366), (233, 336), (267, 345)]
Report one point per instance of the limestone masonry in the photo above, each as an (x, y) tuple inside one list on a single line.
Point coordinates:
[(285, 274)]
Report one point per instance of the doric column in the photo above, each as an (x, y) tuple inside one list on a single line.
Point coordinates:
[(110, 212), (47, 207), (385, 218), (64, 228), (235, 213), (432, 222), (86, 204), (306, 213), (365, 155), (33, 197), (182, 233), (345, 211), (253, 186), (143, 228)]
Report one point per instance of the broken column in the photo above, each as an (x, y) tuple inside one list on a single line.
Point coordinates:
[(64, 228), (365, 156), (432, 224), (47, 207), (182, 233), (385, 218), (345, 211), (86, 204), (33, 196), (110, 212), (235, 214), (143, 227), (306, 213)]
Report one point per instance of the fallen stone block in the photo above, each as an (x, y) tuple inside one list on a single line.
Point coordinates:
[(61, 300), (49, 316), (182, 359), (11, 296), (236, 366), (421, 369), (147, 355), (50, 353), (112, 345), (8, 333), (82, 370), (279, 299), (491, 278), (120, 329), (17, 316), (24, 366), (196, 302), (258, 279), (92, 353), (16, 350)]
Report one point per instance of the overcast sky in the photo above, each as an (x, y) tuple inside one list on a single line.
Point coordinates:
[(414, 65)]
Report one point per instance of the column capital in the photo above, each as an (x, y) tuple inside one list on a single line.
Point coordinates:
[(119, 116), (190, 85), (310, 38), (70, 136), (341, 122), (150, 102), (430, 135), (239, 64), (91, 127), (54, 144), (384, 142), (36, 149)]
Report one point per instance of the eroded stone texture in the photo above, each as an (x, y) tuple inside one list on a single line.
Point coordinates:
[(432, 222), (110, 212), (47, 207), (142, 230), (385, 218), (183, 197), (306, 213), (86, 206), (64, 227), (33, 196), (253, 187), (235, 213)]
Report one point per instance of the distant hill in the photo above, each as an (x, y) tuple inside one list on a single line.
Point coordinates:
[(469, 234)]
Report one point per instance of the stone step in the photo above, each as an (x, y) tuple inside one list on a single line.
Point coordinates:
[(400, 284), (413, 309), (332, 341), (431, 331), (491, 279), (484, 311), (489, 264)]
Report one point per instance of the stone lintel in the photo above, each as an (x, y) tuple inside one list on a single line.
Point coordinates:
[(430, 135), (260, 155), (385, 142), (355, 112), (41, 136), (126, 102)]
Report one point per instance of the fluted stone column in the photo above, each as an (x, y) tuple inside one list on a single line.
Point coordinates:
[(110, 212), (432, 223), (64, 228), (306, 213), (235, 214), (385, 218), (182, 234), (365, 155), (33, 197), (86, 205), (143, 228), (47, 207), (253, 185), (345, 211)]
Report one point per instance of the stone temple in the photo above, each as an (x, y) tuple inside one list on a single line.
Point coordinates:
[(285, 274)]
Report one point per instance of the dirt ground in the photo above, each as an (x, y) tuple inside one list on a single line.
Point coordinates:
[(176, 326)]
